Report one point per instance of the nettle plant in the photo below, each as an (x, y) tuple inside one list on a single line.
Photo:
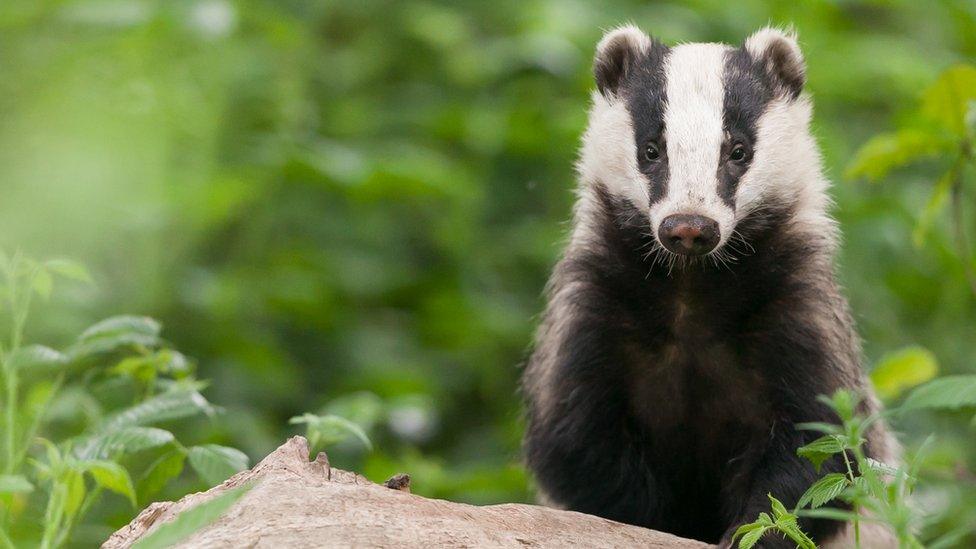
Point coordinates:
[(79, 422), (871, 491)]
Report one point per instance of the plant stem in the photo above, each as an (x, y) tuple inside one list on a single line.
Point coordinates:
[(857, 510)]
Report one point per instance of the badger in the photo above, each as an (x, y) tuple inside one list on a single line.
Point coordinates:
[(694, 315)]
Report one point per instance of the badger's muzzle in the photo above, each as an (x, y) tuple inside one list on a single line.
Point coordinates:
[(688, 234)]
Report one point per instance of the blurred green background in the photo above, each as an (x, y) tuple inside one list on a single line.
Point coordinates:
[(354, 206)]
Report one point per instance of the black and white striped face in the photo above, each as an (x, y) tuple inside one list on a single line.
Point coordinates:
[(699, 135)]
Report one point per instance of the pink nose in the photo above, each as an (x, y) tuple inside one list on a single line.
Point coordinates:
[(689, 234)]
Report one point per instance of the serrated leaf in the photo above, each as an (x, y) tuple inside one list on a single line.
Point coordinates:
[(115, 333), (946, 100), (163, 470), (887, 151), (162, 407), (821, 449), (123, 324), (881, 467), (779, 509), (111, 476), (127, 440), (69, 269), (186, 523), (216, 464), (949, 392), (36, 357), (15, 484), (750, 539), (824, 490), (902, 370)]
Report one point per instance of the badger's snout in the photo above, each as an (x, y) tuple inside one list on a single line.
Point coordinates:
[(688, 234)]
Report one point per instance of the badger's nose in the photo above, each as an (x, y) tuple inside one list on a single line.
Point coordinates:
[(688, 234)]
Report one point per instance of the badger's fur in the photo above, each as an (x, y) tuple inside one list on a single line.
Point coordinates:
[(665, 388)]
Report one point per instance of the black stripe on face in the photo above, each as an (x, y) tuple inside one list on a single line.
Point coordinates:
[(645, 93), (748, 89)]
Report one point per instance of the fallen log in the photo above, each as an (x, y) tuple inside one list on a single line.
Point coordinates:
[(300, 503)]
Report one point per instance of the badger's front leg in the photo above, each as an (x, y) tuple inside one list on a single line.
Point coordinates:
[(799, 366), (581, 442), (777, 470)]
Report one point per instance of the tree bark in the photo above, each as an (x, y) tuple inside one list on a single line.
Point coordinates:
[(298, 503)]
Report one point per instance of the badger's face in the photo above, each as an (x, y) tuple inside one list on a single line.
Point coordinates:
[(697, 136)]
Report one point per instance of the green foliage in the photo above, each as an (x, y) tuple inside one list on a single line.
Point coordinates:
[(189, 521), (216, 463), (94, 455), (782, 521), (947, 392), (323, 199), (902, 370)]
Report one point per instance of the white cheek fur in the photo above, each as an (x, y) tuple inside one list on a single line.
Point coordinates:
[(608, 153)]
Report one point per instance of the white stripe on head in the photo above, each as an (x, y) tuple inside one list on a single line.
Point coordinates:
[(693, 128)]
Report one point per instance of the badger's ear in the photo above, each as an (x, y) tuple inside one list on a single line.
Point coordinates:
[(616, 55), (782, 59)]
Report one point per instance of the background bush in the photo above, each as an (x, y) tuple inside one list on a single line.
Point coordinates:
[(352, 207)]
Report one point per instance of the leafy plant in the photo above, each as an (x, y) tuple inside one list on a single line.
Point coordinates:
[(72, 397), (875, 491), (781, 521), (943, 127)]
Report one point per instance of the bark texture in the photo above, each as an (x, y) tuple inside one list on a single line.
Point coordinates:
[(298, 503)]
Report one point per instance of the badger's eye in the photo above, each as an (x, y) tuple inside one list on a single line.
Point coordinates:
[(652, 152), (738, 154)]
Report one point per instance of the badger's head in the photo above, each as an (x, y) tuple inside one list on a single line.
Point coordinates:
[(698, 137)]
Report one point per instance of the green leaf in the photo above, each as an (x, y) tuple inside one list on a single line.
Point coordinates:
[(946, 100), (902, 370), (162, 407), (165, 361), (163, 470), (829, 513), (882, 468), (74, 483), (115, 333), (821, 449), (949, 392), (752, 537), (111, 476), (127, 440), (779, 510), (186, 523), (42, 283), (69, 269), (124, 324), (36, 357), (216, 464), (932, 208), (330, 429), (15, 484), (822, 491), (887, 151)]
